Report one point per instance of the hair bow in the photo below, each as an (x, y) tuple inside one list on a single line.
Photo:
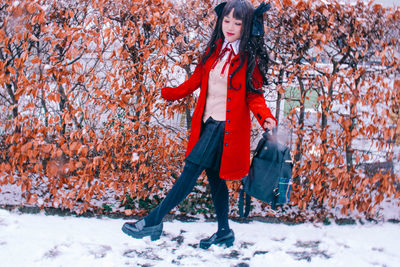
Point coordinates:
[(219, 8), (258, 19)]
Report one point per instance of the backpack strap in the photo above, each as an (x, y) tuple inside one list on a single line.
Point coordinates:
[(241, 204), (261, 143)]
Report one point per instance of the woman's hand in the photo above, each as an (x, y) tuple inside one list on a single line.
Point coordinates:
[(269, 124)]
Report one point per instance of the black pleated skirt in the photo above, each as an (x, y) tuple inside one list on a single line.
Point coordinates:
[(208, 150)]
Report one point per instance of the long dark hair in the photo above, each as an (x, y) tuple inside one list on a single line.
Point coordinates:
[(251, 46)]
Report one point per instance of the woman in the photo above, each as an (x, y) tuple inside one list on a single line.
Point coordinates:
[(230, 76)]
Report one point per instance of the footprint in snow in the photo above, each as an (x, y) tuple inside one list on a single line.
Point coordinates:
[(100, 252), (147, 253), (313, 251)]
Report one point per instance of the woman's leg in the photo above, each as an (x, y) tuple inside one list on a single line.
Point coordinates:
[(182, 187), (220, 197)]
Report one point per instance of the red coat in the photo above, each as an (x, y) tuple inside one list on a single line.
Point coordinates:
[(235, 160)]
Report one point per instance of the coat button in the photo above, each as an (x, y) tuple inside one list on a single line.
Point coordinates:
[(231, 64), (226, 144), (230, 75), (229, 99), (227, 132), (228, 121), (228, 110)]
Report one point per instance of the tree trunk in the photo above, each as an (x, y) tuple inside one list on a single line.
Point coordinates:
[(14, 102), (279, 98), (188, 117), (299, 142)]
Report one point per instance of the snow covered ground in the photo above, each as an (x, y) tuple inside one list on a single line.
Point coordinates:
[(40, 240)]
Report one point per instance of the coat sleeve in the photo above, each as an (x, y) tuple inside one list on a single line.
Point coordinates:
[(256, 101), (186, 88)]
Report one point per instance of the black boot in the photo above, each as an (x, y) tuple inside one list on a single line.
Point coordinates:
[(139, 230), (226, 239)]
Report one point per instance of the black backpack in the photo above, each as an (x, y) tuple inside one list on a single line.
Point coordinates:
[(270, 175)]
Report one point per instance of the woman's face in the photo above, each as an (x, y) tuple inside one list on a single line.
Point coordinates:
[(231, 27)]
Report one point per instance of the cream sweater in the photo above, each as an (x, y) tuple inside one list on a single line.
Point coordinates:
[(217, 88), (216, 94)]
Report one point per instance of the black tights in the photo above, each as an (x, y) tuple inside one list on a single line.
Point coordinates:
[(184, 185)]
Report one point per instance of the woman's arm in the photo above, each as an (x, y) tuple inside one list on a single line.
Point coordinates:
[(260, 110), (186, 88), (257, 103)]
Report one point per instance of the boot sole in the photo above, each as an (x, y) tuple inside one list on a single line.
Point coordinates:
[(153, 235), (228, 243)]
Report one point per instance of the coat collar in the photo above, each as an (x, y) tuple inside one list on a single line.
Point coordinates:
[(235, 45), (221, 44)]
